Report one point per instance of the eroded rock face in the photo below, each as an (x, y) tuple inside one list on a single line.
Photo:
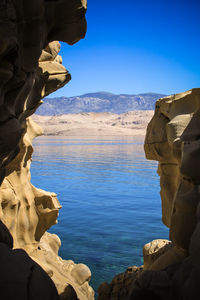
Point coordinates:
[(28, 212), (30, 69), (171, 269), (121, 285), (176, 147), (20, 276), (27, 27)]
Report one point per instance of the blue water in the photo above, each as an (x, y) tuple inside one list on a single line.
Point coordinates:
[(110, 198)]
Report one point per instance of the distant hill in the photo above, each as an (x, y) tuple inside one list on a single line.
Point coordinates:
[(98, 102), (132, 123)]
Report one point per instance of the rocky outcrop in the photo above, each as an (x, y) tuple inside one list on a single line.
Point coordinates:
[(28, 212), (20, 276), (176, 147), (172, 268), (26, 30), (120, 286), (30, 69)]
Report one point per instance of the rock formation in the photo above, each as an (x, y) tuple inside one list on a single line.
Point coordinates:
[(28, 212), (171, 268), (31, 69), (176, 147), (25, 32)]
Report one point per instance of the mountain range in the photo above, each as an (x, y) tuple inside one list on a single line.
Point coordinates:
[(98, 102)]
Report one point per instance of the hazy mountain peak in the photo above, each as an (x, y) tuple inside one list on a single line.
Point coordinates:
[(98, 102), (101, 94)]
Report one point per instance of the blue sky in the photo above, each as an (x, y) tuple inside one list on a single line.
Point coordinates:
[(135, 47)]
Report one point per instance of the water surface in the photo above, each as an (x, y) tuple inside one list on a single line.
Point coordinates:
[(110, 198)]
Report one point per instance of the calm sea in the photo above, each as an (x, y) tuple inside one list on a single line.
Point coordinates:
[(110, 198)]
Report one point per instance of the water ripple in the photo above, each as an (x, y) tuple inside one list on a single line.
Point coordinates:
[(110, 198)]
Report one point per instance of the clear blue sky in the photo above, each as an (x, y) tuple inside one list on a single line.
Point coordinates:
[(135, 47)]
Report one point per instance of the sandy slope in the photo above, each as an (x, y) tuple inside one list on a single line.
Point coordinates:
[(89, 124)]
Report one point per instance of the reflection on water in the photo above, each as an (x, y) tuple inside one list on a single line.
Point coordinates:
[(110, 198)]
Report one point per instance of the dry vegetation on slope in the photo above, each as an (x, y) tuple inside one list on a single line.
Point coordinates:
[(87, 124)]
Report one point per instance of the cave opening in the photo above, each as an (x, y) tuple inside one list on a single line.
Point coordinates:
[(102, 222)]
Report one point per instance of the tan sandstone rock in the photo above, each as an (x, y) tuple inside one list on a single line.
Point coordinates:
[(153, 250), (25, 32), (172, 268), (30, 69), (29, 215), (179, 186), (178, 170)]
